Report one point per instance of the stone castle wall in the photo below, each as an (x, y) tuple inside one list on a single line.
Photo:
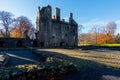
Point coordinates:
[(54, 31), (14, 42)]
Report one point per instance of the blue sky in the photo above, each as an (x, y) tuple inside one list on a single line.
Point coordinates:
[(89, 13)]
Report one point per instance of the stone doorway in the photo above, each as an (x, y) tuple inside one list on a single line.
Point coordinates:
[(42, 44), (19, 43), (62, 43), (35, 43), (2, 43)]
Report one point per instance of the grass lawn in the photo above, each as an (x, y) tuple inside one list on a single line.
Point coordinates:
[(108, 45), (89, 58)]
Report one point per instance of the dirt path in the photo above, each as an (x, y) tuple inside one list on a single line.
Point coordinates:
[(21, 57)]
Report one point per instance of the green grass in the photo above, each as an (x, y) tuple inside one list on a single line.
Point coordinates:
[(108, 45)]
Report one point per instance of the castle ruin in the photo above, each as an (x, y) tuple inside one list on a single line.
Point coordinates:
[(53, 32)]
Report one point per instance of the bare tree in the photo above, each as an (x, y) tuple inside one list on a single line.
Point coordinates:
[(83, 39), (80, 28), (2, 34), (24, 24), (31, 33), (110, 28), (110, 32), (95, 33), (99, 34), (6, 21), (80, 35), (117, 38)]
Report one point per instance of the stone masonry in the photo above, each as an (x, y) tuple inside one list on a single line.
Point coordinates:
[(53, 32)]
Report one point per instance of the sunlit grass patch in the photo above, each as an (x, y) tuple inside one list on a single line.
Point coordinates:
[(108, 45)]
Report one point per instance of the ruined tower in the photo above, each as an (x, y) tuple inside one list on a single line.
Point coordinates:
[(38, 20), (57, 14), (43, 25), (55, 32)]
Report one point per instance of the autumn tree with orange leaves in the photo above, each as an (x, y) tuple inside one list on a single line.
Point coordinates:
[(21, 25), (107, 35), (16, 33), (101, 34)]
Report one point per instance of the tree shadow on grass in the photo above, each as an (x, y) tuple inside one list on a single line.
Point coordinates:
[(87, 69)]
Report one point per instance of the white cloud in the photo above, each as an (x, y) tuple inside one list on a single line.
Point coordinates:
[(66, 19), (118, 26), (98, 22), (118, 22), (94, 22)]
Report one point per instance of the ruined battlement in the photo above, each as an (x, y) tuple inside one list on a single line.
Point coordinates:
[(46, 13)]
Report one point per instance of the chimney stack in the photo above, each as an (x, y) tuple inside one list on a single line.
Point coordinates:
[(57, 14), (63, 20), (71, 16)]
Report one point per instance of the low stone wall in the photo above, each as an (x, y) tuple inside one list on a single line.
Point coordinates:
[(14, 42)]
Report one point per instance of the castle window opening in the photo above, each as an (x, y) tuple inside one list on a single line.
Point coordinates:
[(19, 43), (63, 43), (35, 43), (67, 27), (42, 44), (66, 35), (53, 37), (2, 43)]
